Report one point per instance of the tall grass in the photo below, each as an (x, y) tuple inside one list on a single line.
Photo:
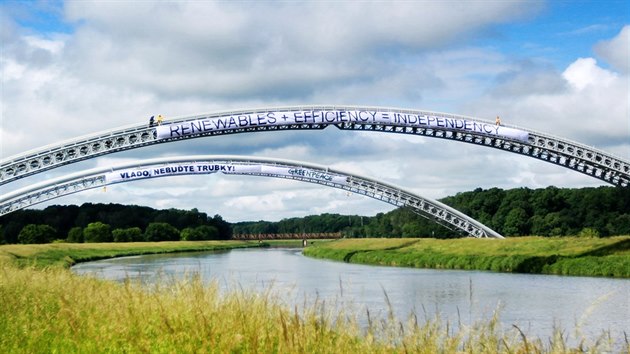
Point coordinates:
[(54, 311)]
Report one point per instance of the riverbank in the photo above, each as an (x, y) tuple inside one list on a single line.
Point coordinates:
[(602, 257), (67, 254)]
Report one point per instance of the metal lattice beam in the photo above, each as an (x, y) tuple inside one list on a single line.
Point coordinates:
[(559, 151), (372, 188)]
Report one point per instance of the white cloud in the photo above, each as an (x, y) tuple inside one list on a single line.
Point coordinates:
[(584, 72), (271, 50), (617, 50)]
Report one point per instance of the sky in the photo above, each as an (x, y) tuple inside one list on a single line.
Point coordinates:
[(71, 68)]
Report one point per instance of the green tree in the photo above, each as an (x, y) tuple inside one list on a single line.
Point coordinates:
[(189, 234), (32, 233), (619, 225), (516, 223), (119, 235), (11, 230), (161, 231), (75, 235), (86, 215), (552, 224), (208, 232), (97, 232), (538, 226), (200, 233), (60, 217), (380, 226), (547, 200), (412, 229), (135, 234), (224, 227), (131, 234)]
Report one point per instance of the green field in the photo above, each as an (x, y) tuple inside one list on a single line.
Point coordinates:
[(607, 257)]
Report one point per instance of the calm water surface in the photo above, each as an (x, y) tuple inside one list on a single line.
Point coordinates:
[(535, 303)]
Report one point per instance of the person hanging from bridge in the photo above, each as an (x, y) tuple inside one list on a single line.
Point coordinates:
[(497, 121), (151, 121), (159, 119)]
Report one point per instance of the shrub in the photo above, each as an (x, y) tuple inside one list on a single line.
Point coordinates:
[(132, 234), (588, 232), (36, 234), (161, 231), (97, 232), (75, 235), (200, 233)]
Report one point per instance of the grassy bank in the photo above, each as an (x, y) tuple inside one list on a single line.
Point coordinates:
[(67, 254), (608, 257)]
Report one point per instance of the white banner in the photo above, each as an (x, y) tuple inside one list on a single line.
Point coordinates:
[(168, 170), (254, 120), (207, 168)]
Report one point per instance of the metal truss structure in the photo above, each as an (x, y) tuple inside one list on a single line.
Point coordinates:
[(559, 151), (95, 178)]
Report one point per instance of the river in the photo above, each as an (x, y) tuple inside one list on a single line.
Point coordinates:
[(582, 307)]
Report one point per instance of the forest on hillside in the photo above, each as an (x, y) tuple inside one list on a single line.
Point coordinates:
[(551, 211)]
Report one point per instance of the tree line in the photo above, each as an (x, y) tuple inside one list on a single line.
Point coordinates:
[(600, 211), (551, 211), (110, 223)]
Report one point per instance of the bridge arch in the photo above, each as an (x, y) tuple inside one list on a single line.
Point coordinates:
[(173, 166), (559, 151)]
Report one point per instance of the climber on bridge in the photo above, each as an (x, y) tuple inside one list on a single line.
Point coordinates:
[(159, 119), (151, 121), (497, 121)]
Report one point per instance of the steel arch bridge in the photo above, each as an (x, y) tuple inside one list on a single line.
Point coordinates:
[(559, 151), (235, 165)]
